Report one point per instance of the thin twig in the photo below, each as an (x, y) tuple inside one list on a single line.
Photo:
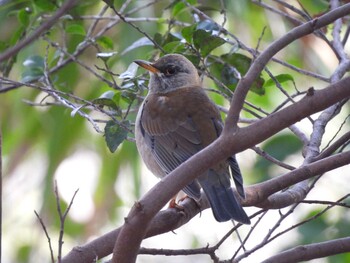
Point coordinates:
[(47, 236), (272, 159), (39, 31), (269, 238), (320, 202), (137, 28), (253, 227), (332, 148), (62, 219)]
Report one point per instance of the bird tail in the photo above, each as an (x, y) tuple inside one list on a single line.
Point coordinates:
[(222, 200)]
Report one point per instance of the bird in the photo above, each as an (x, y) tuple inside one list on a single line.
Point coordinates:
[(176, 120)]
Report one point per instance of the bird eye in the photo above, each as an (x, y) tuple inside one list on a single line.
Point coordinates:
[(170, 71)]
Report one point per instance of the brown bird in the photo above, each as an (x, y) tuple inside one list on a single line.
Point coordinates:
[(176, 120)]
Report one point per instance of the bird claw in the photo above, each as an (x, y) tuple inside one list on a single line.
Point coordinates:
[(174, 204)]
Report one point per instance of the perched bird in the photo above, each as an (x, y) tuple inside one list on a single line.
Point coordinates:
[(176, 120)]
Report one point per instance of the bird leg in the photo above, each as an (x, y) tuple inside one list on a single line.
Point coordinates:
[(174, 202)]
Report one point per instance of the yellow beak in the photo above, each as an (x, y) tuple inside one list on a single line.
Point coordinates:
[(147, 65)]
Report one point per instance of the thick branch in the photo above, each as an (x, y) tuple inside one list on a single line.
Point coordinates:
[(136, 223), (135, 227), (141, 214), (265, 194), (165, 221), (260, 62), (345, 138), (308, 252), (171, 219)]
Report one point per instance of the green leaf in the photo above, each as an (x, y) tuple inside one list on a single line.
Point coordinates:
[(205, 42), (110, 3), (3, 45), (17, 35), (115, 134), (178, 7), (315, 7), (128, 96), (23, 253), (34, 61), (23, 17), (109, 99), (75, 29), (280, 78), (174, 47), (105, 42), (158, 38), (172, 38), (31, 74), (34, 68), (193, 58), (187, 32), (45, 5), (192, 2), (258, 86), (234, 65)]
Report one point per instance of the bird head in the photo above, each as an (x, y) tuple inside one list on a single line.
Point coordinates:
[(170, 72)]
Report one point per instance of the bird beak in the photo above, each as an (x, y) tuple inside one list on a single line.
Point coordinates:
[(147, 65)]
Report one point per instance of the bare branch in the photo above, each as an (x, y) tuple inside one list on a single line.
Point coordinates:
[(337, 203), (254, 52), (268, 238), (257, 194), (309, 252), (62, 220), (39, 31), (165, 221), (272, 159), (137, 28), (171, 218), (336, 145), (260, 62), (47, 236), (141, 214)]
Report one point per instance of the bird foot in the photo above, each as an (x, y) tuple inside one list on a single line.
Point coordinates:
[(175, 204)]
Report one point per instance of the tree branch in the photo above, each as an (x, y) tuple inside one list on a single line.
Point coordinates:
[(345, 138), (260, 62), (265, 194), (143, 211), (47, 235), (165, 221), (140, 216), (171, 219), (39, 31), (308, 252)]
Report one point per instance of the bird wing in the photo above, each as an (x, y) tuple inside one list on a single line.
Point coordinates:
[(176, 126), (234, 168), (171, 135)]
